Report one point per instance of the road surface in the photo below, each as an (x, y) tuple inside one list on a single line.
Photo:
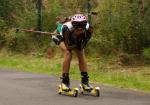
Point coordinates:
[(19, 88)]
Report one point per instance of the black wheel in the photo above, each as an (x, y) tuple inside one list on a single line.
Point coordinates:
[(81, 90), (97, 93), (59, 90), (76, 93)]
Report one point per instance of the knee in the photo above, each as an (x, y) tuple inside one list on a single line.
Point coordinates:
[(80, 55), (80, 52), (67, 53)]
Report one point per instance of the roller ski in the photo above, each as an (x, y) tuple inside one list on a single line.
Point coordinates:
[(65, 90), (89, 90), (86, 88), (64, 87)]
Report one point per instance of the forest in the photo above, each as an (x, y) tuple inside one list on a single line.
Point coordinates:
[(121, 27)]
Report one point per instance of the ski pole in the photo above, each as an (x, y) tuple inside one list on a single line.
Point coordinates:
[(33, 31)]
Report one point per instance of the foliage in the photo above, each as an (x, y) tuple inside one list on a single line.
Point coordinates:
[(120, 26), (3, 30), (146, 53), (123, 25), (51, 11), (9, 10)]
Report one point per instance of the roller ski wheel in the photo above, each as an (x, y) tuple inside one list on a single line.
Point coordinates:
[(94, 91), (69, 92)]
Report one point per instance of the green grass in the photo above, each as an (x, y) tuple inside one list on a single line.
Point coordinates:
[(100, 71)]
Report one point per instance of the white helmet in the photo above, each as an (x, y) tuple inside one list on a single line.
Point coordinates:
[(79, 21), (78, 18)]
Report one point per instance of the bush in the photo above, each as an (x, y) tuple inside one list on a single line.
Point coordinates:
[(146, 53), (3, 30), (125, 59), (124, 24)]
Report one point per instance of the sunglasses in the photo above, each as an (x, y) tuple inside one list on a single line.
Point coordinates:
[(79, 24)]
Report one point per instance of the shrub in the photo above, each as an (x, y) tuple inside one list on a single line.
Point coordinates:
[(146, 53)]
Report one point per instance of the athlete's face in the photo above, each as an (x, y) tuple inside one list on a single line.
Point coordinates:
[(79, 28), (79, 31)]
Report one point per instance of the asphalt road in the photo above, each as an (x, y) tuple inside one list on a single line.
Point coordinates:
[(19, 88)]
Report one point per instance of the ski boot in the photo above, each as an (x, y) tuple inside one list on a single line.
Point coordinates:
[(88, 89), (64, 87)]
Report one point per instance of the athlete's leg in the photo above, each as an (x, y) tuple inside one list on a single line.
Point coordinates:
[(83, 69), (82, 61), (66, 63)]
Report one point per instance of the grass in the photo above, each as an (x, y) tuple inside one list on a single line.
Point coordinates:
[(101, 70)]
